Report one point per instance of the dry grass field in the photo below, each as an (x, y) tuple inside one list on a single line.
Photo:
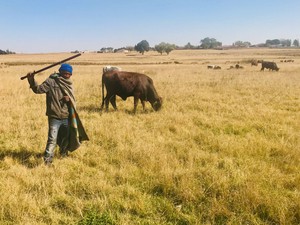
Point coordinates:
[(224, 149)]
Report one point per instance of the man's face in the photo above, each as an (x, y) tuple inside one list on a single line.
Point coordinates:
[(65, 74)]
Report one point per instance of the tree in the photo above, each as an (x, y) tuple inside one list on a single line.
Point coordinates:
[(189, 46), (296, 42), (106, 50), (286, 42), (242, 43), (169, 48), (142, 47), (164, 47), (160, 48), (210, 43), (130, 48), (2, 52), (273, 42)]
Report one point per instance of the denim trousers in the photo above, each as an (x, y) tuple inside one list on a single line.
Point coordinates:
[(58, 134)]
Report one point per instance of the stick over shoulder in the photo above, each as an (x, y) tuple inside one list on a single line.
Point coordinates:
[(52, 65)]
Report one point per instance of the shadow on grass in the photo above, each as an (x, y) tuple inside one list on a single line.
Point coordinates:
[(89, 108), (146, 111), (127, 111), (24, 157), (96, 109)]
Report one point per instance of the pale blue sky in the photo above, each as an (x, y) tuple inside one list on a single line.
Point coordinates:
[(42, 26)]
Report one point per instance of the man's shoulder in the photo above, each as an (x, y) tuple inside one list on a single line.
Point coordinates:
[(53, 76), (51, 80)]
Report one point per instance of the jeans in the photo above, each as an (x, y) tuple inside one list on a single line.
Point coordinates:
[(58, 134)]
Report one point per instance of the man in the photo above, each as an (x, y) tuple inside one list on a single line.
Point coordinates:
[(59, 96)]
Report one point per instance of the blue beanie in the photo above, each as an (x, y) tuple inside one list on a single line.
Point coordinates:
[(66, 67)]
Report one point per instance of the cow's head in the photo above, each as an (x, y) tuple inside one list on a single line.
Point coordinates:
[(157, 104)]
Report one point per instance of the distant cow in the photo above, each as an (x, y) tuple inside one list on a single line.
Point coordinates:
[(269, 65), (254, 62), (126, 84), (237, 66), (213, 67)]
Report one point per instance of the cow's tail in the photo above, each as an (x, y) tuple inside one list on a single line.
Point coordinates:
[(102, 105)]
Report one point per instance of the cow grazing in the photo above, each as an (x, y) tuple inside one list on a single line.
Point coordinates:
[(254, 62), (213, 67), (269, 65), (126, 84), (287, 60), (237, 66)]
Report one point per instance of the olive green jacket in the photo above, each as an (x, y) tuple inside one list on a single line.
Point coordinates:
[(56, 107)]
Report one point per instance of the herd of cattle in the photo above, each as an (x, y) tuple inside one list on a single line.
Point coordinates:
[(264, 65), (141, 87)]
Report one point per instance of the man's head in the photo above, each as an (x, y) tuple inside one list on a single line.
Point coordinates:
[(66, 70)]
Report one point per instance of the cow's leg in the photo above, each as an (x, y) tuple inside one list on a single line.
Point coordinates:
[(113, 101), (107, 99), (136, 101), (143, 104), (102, 105)]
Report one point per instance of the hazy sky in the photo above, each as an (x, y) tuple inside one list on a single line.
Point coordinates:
[(42, 26)]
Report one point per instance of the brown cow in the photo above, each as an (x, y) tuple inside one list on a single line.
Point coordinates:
[(254, 62), (126, 84), (269, 65)]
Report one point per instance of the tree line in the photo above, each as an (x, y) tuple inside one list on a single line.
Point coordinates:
[(6, 52), (282, 42), (206, 43)]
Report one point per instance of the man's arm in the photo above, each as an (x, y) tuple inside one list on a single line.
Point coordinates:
[(38, 89)]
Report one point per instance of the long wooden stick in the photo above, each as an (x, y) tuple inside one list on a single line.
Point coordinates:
[(52, 65)]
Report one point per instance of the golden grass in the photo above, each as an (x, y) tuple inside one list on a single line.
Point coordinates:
[(224, 149)]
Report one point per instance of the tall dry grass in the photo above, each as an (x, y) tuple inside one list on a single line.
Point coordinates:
[(224, 149)]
